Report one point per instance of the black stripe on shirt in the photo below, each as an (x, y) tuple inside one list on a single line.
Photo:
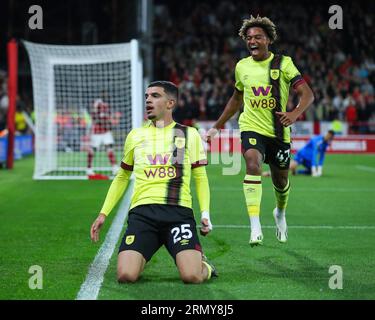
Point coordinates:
[(175, 184), (276, 94)]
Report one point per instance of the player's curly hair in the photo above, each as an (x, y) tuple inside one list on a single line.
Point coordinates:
[(262, 22)]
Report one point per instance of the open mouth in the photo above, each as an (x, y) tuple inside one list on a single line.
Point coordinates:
[(254, 49)]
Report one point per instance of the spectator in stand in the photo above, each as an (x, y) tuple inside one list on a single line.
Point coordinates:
[(351, 116), (20, 121), (3, 123), (367, 87), (3, 94), (338, 104)]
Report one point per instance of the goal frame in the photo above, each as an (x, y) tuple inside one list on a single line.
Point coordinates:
[(49, 145)]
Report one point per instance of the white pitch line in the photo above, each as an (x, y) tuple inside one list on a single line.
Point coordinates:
[(365, 168), (90, 288), (298, 189), (238, 226)]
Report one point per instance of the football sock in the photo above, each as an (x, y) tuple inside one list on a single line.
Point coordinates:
[(282, 196), (111, 157), (209, 270), (90, 156), (252, 187)]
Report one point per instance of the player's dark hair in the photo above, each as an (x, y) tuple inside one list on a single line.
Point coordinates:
[(262, 22), (169, 87), (331, 132)]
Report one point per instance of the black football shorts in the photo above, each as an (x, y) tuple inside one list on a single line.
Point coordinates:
[(273, 150), (153, 225)]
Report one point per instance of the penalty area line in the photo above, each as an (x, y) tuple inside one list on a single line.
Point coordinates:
[(90, 288)]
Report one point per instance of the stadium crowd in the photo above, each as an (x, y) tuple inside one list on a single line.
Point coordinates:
[(196, 46), (24, 109)]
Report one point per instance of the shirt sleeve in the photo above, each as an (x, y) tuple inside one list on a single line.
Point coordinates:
[(238, 84), (121, 181), (202, 188), (116, 190), (322, 154), (127, 162), (291, 73), (196, 150)]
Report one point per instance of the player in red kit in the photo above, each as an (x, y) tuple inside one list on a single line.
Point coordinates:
[(101, 134)]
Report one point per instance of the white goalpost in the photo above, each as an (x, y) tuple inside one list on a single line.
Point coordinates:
[(86, 100)]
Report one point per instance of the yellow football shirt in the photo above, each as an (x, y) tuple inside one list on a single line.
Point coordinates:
[(162, 160), (253, 78)]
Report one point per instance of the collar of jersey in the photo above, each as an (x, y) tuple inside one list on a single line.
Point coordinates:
[(263, 61), (170, 126)]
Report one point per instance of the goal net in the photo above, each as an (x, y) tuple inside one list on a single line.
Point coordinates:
[(86, 100)]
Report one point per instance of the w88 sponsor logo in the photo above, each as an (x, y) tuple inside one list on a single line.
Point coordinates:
[(263, 103), (166, 172)]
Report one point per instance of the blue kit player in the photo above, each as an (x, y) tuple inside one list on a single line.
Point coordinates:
[(309, 154)]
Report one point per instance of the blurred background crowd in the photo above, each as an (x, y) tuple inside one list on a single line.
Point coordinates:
[(24, 115), (196, 45)]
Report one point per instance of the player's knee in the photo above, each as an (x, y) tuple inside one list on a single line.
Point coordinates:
[(126, 276), (253, 168), (191, 277), (280, 182)]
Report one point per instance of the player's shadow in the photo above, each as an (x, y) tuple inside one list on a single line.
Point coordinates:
[(303, 271), (306, 264), (315, 276)]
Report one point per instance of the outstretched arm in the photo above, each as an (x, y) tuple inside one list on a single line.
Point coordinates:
[(203, 194), (116, 190), (322, 154), (314, 160), (232, 106), (306, 98)]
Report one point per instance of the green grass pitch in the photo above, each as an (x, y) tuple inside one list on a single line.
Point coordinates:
[(331, 222)]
